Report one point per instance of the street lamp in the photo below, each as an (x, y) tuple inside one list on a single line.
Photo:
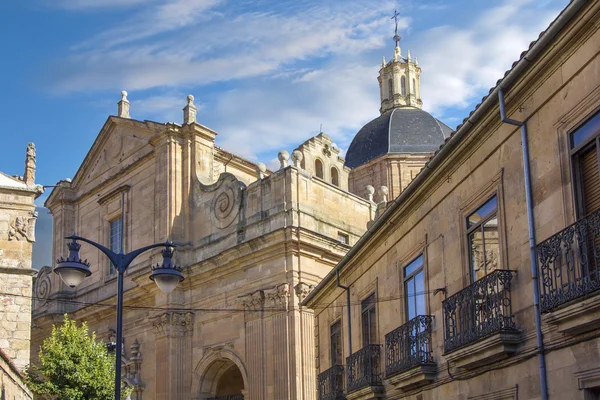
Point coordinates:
[(73, 270)]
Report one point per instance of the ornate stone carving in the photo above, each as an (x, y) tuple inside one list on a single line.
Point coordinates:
[(302, 290), (283, 157), (225, 205), (23, 228), (29, 176), (173, 324), (326, 150), (253, 301), (297, 157), (279, 295), (42, 288)]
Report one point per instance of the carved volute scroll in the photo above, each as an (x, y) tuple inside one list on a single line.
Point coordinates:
[(226, 199)]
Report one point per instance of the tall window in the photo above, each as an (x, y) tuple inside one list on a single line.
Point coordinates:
[(335, 176), (369, 320), (116, 240), (403, 85), (585, 145), (390, 89), (414, 287), (483, 240), (335, 335), (319, 169)]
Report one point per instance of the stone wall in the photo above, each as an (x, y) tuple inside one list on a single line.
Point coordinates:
[(11, 381), (554, 95)]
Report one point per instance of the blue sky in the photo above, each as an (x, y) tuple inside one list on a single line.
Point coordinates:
[(265, 73)]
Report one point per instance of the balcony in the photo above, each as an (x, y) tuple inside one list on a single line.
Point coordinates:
[(569, 265), (363, 369), (408, 354), (331, 383), (481, 313)]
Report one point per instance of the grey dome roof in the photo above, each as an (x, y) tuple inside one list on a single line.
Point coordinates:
[(401, 130)]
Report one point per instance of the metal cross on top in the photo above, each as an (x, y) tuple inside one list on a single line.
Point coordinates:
[(395, 18)]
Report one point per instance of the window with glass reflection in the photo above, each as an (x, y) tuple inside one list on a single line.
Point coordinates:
[(414, 288), (585, 145), (116, 240), (483, 239)]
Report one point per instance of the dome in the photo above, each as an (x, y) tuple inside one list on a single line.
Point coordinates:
[(400, 130)]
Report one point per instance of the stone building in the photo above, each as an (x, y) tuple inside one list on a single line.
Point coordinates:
[(252, 243), (17, 234), (443, 299)]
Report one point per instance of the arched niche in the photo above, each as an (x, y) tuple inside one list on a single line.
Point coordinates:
[(220, 373)]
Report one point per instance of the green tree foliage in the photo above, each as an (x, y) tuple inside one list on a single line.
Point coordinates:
[(73, 366)]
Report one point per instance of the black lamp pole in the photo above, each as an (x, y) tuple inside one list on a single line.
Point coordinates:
[(72, 270)]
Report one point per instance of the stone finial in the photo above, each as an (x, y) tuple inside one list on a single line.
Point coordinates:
[(283, 157), (189, 111), (382, 61), (123, 106), (397, 53), (29, 175), (297, 157), (408, 55), (369, 190), (383, 192), (416, 62), (260, 170)]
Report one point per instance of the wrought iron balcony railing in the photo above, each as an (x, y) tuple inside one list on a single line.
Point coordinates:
[(331, 383), (363, 368), (479, 310), (569, 263), (409, 345), (228, 397)]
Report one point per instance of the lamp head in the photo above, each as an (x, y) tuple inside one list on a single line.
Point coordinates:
[(167, 275), (72, 269)]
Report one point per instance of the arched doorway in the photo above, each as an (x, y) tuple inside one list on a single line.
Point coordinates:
[(220, 376), (230, 384)]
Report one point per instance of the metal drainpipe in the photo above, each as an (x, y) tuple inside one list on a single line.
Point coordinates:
[(347, 289), (534, 267)]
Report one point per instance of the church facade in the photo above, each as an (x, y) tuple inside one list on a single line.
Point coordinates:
[(481, 279), (252, 243)]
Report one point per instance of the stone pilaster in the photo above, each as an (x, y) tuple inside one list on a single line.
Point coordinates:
[(173, 348)]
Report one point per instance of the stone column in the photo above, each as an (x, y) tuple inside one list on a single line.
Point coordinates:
[(173, 350)]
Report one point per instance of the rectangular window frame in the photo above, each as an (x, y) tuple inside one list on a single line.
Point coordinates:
[(338, 324), (368, 307), (479, 225), (494, 186), (112, 271), (407, 278), (575, 153)]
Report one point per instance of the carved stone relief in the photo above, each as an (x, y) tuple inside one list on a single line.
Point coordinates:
[(42, 287), (279, 295), (174, 324), (302, 290), (23, 228)]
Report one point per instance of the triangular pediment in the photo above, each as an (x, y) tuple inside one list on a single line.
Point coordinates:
[(121, 142)]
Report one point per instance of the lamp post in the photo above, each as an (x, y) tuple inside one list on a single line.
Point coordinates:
[(73, 269)]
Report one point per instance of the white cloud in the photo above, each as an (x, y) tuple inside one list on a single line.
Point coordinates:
[(189, 48), (83, 5), (461, 62)]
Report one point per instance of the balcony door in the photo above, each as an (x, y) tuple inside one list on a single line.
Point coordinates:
[(414, 289)]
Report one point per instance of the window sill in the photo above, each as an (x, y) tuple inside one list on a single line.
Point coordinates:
[(110, 278), (414, 377), (367, 393), (496, 347), (578, 317)]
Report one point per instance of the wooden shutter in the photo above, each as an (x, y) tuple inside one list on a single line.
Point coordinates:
[(590, 181)]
